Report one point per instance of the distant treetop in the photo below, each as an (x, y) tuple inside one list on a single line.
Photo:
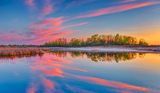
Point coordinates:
[(97, 40)]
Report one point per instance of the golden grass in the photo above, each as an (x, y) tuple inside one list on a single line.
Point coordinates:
[(13, 52)]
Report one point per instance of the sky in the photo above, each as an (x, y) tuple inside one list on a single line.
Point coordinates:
[(40, 21)]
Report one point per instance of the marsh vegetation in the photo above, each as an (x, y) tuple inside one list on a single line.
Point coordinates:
[(13, 52)]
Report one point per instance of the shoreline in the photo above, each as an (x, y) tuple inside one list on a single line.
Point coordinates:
[(20, 51), (13, 52), (107, 49)]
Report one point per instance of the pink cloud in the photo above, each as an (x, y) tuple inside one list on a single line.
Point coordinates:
[(47, 29), (75, 25), (51, 29), (30, 3), (51, 22), (46, 37), (40, 32), (12, 37), (127, 1), (48, 8), (76, 3), (115, 9)]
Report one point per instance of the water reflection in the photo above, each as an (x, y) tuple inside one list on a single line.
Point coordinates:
[(96, 57), (49, 69), (21, 56), (45, 68), (56, 72)]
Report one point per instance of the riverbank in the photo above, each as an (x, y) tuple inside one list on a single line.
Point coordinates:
[(32, 51), (20, 52)]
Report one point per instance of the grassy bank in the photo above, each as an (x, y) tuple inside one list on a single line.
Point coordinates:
[(13, 52)]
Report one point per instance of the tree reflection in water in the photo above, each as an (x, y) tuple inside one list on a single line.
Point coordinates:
[(54, 65), (97, 57), (51, 68), (94, 56)]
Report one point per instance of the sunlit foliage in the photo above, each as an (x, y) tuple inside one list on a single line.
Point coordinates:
[(98, 40)]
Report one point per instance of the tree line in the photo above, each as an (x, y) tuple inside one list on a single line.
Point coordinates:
[(97, 40)]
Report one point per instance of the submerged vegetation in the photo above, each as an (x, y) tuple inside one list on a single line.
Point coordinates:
[(97, 40)]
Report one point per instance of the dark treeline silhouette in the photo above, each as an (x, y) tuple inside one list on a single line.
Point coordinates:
[(97, 57), (97, 40)]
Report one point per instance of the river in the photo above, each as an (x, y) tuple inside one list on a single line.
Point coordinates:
[(81, 72)]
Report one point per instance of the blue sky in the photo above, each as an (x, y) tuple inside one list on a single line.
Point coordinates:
[(39, 21)]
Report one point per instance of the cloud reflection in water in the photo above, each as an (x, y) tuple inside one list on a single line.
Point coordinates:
[(52, 65)]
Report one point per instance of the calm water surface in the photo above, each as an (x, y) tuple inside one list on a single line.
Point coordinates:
[(66, 72)]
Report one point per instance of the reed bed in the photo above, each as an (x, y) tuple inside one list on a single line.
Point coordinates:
[(13, 52)]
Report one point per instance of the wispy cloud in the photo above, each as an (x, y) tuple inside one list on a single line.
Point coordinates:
[(74, 25), (76, 3), (115, 9), (46, 30), (127, 1), (48, 8), (12, 37), (30, 3), (51, 29)]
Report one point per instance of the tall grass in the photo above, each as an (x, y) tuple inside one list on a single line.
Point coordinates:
[(14, 52)]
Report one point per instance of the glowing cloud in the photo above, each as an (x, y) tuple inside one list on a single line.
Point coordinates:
[(127, 1), (48, 8), (75, 25), (12, 37), (51, 29), (47, 29), (115, 9), (30, 3), (76, 3)]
